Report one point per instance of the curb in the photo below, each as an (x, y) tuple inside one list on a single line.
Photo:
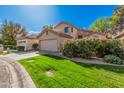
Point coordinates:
[(24, 77)]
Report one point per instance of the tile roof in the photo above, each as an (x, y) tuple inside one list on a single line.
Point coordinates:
[(92, 32), (57, 33), (29, 37)]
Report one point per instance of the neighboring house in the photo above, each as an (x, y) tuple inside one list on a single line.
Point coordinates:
[(120, 35), (27, 41), (52, 39)]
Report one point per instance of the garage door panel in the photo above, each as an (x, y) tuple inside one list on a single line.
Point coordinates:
[(49, 45)]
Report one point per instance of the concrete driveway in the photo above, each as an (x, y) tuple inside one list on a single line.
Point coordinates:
[(21, 55)]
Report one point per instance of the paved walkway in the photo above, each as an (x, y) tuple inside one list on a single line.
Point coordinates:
[(13, 75), (97, 61)]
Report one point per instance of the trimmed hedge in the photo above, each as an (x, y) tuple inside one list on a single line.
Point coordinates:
[(87, 48), (113, 59), (35, 46), (20, 48)]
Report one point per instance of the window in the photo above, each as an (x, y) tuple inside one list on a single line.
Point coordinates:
[(68, 29), (80, 36)]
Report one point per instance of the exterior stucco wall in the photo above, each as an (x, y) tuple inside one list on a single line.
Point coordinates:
[(27, 43), (51, 36), (61, 29), (23, 43)]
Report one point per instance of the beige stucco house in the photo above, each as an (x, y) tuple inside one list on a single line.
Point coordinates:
[(27, 42), (52, 39)]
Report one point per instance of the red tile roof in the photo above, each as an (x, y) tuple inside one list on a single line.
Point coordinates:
[(57, 33), (29, 37), (92, 32)]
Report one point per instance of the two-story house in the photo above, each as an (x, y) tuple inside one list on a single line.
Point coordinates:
[(51, 39)]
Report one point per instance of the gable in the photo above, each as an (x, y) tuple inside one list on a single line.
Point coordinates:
[(48, 35), (61, 27)]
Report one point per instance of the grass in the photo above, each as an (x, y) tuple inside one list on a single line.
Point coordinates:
[(68, 74), (4, 53)]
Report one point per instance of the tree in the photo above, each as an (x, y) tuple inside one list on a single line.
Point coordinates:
[(101, 25), (119, 12), (11, 31), (105, 24), (50, 27)]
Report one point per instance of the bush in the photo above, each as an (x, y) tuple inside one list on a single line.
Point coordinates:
[(20, 48), (35, 46), (113, 59), (70, 49), (110, 47), (84, 48), (9, 46), (87, 48)]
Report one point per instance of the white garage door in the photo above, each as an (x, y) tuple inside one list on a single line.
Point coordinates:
[(49, 45)]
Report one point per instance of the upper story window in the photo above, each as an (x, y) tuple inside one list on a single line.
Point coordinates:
[(80, 36), (68, 29)]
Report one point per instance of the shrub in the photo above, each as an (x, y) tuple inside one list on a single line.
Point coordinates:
[(9, 46), (87, 48), (70, 49), (20, 48), (110, 47), (84, 48), (113, 59), (35, 46)]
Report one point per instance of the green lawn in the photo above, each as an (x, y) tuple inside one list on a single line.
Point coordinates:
[(68, 74), (4, 53)]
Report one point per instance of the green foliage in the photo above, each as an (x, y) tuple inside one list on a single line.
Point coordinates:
[(119, 12), (9, 46), (101, 25), (105, 24), (113, 59), (87, 48), (70, 49), (11, 31), (110, 47), (35, 46), (20, 48), (80, 48)]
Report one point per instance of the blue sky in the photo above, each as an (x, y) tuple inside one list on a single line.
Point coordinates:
[(35, 17)]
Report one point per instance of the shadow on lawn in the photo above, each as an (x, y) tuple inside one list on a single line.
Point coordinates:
[(53, 56), (116, 69)]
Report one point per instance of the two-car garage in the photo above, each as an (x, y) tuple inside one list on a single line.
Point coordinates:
[(50, 40), (49, 45)]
